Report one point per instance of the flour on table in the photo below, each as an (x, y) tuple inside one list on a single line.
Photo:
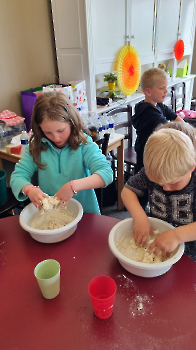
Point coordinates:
[(129, 248), (50, 217)]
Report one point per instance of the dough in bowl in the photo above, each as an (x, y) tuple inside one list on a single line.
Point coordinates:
[(129, 248), (50, 217)]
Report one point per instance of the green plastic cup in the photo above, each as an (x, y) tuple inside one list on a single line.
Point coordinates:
[(47, 273)]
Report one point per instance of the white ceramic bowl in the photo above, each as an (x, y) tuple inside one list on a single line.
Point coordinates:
[(124, 229), (51, 236)]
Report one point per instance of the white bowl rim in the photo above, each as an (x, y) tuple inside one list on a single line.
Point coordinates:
[(56, 230), (140, 265)]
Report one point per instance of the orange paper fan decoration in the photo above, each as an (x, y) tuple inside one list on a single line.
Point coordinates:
[(128, 70), (179, 50)]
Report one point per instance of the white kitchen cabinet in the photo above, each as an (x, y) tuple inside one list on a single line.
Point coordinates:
[(167, 28), (109, 32), (114, 23), (187, 24), (70, 38), (141, 19), (175, 20), (90, 33), (72, 27), (181, 26)]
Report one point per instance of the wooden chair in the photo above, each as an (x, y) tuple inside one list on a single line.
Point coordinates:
[(130, 158), (103, 145), (179, 96), (169, 100)]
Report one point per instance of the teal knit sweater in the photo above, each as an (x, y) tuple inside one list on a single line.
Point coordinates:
[(62, 167)]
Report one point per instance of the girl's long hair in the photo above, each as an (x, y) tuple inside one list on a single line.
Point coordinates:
[(54, 106)]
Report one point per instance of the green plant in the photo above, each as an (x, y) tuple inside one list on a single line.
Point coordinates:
[(110, 78)]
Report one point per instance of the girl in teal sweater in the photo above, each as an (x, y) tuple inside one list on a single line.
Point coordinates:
[(68, 162)]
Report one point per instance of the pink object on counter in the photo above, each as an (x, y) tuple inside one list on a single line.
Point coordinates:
[(11, 118), (187, 114)]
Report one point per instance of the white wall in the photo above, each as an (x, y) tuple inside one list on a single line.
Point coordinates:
[(27, 49), (27, 52)]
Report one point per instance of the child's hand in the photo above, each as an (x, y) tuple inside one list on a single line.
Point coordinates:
[(64, 194), (141, 229), (166, 242), (36, 195)]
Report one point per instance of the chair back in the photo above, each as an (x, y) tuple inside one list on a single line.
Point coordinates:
[(103, 143), (179, 96), (130, 158), (127, 124), (169, 100)]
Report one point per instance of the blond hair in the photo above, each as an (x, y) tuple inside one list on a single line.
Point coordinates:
[(184, 127), (150, 77), (168, 155)]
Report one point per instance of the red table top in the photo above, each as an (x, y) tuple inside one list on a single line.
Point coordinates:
[(28, 321)]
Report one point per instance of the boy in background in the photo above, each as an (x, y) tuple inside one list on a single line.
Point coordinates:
[(151, 112), (169, 178)]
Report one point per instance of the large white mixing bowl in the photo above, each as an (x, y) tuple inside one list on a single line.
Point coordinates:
[(51, 236), (124, 229)]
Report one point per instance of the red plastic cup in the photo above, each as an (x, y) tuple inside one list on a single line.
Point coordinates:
[(102, 290)]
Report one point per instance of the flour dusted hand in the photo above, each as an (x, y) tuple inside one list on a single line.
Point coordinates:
[(64, 194), (49, 204), (141, 229), (165, 243), (129, 248), (36, 196)]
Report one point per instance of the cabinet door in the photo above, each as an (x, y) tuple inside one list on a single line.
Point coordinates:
[(167, 27), (109, 31), (187, 24), (68, 31), (141, 23)]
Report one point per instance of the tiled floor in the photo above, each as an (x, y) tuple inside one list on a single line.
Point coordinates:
[(115, 213)]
